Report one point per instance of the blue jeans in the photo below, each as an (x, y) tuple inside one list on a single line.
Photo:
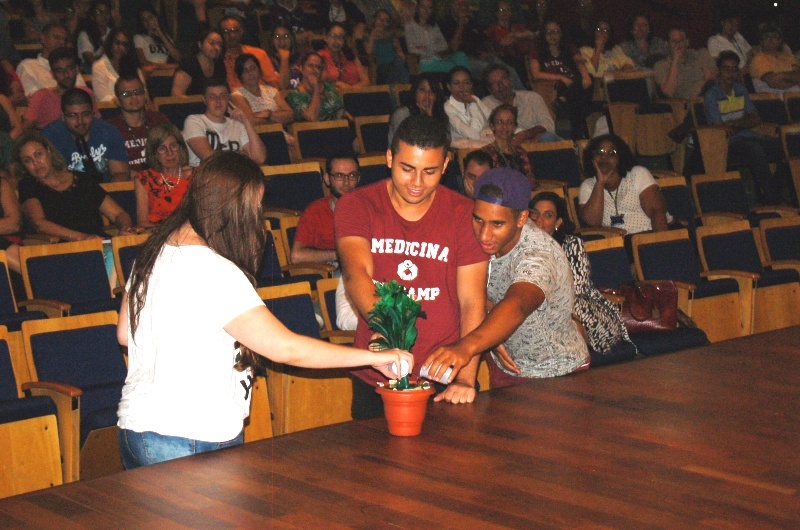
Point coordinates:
[(144, 448)]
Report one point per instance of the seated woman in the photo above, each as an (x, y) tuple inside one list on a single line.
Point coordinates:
[(58, 202), (384, 47), (644, 48), (119, 60), (600, 320), (512, 42), (97, 26), (160, 188), (262, 103), (504, 153), (561, 63), (604, 56), (154, 48), (427, 97), (282, 51), (206, 63), (424, 38), (469, 117), (315, 99), (617, 193), (342, 67)]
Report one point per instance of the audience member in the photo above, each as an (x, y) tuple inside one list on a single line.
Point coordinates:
[(442, 265), (119, 60), (618, 193), (10, 122), (205, 63), (35, 74), (314, 240), (539, 13), (425, 39), (427, 97), (384, 47), (562, 64), (134, 120), (598, 319), (488, 8), (346, 317), (535, 122), (315, 99), (89, 145), (231, 29), (476, 163), (170, 325), (160, 187), (154, 48), (774, 68), (604, 56), (730, 39), (191, 23), (10, 223), (59, 202), (728, 105), (282, 51), (91, 39), (683, 74), (468, 116), (643, 47), (503, 121), (262, 103), (214, 131), (342, 12), (342, 67), (44, 106), (289, 14), (512, 42), (530, 292)]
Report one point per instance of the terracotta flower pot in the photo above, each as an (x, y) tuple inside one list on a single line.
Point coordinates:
[(405, 409)]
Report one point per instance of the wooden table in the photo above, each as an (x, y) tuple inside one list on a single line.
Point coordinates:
[(708, 437)]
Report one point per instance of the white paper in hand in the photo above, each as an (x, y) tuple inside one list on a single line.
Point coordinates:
[(403, 368)]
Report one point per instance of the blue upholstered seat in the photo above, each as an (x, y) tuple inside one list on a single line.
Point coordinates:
[(277, 148), (9, 317), (296, 312), (270, 273), (368, 103), (561, 164), (294, 191)]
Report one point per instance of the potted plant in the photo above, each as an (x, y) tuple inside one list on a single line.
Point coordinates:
[(394, 319)]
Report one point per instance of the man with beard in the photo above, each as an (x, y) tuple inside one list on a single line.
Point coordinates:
[(133, 121), (314, 240)]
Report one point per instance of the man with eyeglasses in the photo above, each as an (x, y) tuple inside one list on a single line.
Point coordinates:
[(728, 105), (35, 74), (134, 121), (89, 145), (683, 74), (44, 106), (773, 68), (314, 240), (231, 29), (214, 131)]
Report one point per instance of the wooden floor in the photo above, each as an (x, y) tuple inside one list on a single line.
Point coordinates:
[(705, 438)]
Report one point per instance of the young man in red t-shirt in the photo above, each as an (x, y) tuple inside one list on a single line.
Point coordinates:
[(314, 240), (411, 229)]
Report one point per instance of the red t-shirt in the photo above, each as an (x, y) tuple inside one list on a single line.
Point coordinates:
[(136, 137), (315, 229), (161, 199), (421, 255), (345, 71)]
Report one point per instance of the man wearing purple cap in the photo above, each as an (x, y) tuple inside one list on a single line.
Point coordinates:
[(530, 326)]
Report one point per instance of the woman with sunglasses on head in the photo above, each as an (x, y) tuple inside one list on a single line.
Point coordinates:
[(600, 320), (160, 188), (119, 60), (617, 193)]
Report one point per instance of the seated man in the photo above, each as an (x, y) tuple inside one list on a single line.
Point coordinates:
[(231, 30), (213, 131), (44, 106), (314, 240), (683, 74), (89, 145), (35, 73), (774, 68), (728, 105), (534, 121), (134, 121), (476, 163), (530, 292)]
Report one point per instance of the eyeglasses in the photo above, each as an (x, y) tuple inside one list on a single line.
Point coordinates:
[(131, 93), (503, 9), (163, 148), (218, 97), (231, 30), (605, 152), (122, 43), (283, 37), (509, 123), (340, 177), (604, 30), (553, 32)]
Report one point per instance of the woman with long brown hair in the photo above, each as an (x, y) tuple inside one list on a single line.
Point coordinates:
[(195, 326)]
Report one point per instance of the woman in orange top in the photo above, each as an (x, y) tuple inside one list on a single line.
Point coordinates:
[(160, 188), (342, 67)]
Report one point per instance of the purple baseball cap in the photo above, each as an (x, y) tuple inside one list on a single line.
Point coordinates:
[(515, 188)]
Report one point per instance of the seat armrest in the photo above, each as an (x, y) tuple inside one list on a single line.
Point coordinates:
[(38, 239), (307, 267), (606, 231), (52, 308), (339, 337), (783, 211), (786, 264), (34, 388), (716, 218), (679, 284)]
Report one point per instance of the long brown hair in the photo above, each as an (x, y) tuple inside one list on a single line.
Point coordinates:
[(223, 206)]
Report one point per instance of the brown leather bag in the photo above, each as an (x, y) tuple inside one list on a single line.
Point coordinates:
[(650, 306)]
